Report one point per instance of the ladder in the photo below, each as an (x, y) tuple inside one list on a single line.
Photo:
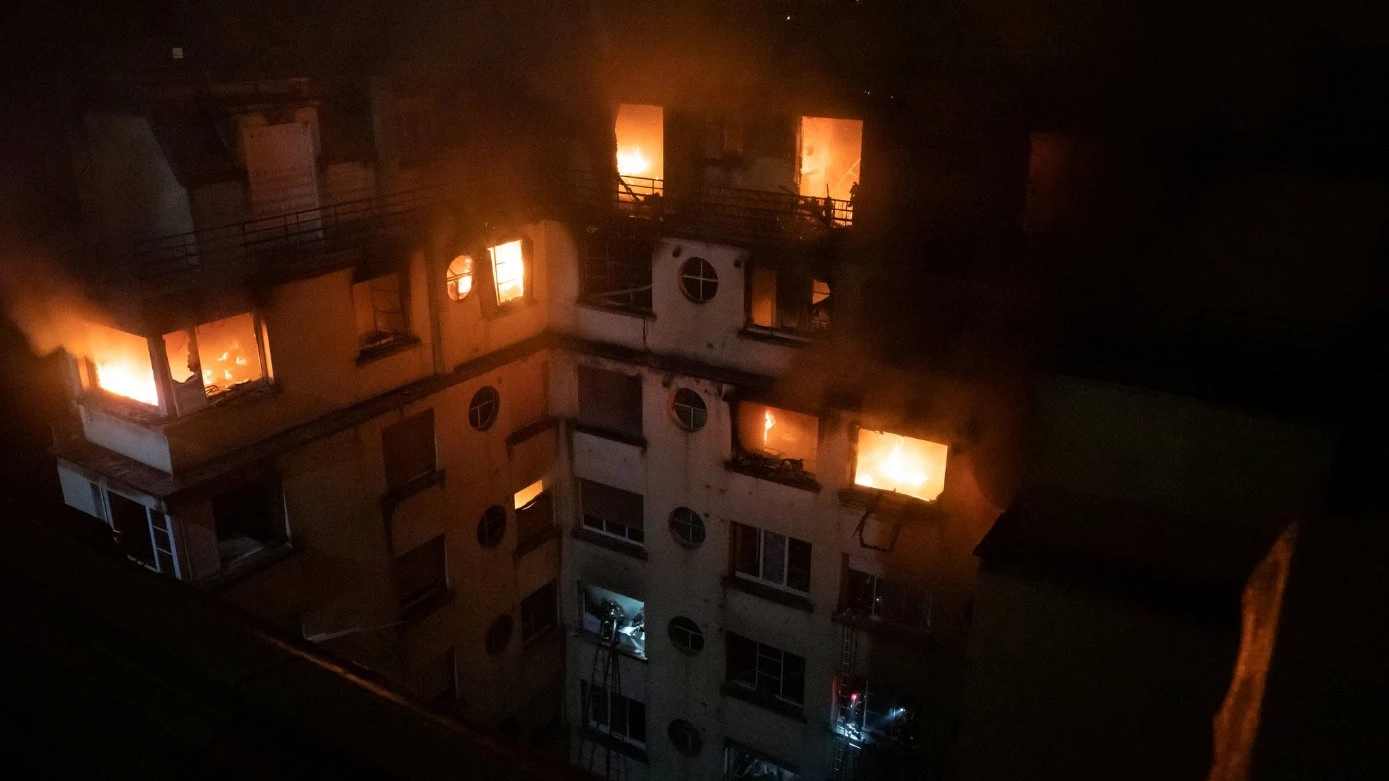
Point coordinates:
[(844, 764), (604, 680)]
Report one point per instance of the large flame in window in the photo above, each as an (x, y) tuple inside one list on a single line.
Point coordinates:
[(640, 132), (892, 462), (122, 363), (228, 352), (509, 271)]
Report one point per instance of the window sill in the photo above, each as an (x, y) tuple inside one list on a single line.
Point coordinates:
[(413, 614), (530, 430), (535, 542), (400, 493), (616, 744), (785, 338), (617, 309), (245, 566), (765, 701), (883, 627), (802, 482), (380, 351), (594, 640), (611, 543), (624, 437), (769, 593)]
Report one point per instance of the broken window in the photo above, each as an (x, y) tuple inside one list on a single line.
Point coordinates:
[(379, 307), (616, 270), (763, 669), (640, 133), (508, 270), (131, 521), (770, 558), (610, 401), (121, 363), (892, 462), (611, 511), (458, 279), (613, 714), (613, 617), (741, 763), (782, 438), (420, 576), (831, 150), (876, 597), (407, 449), (247, 519), (212, 359), (539, 613), (534, 513), (782, 299)]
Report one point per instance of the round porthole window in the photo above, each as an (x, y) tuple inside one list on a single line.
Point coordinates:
[(698, 280), (687, 527), (686, 635), (685, 737), (492, 526), (459, 277), (482, 410), (498, 635), (689, 410)]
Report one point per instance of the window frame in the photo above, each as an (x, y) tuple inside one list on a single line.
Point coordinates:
[(492, 518), (604, 524), (692, 400), (677, 521), (769, 665), (737, 534), (399, 427), (547, 597), (678, 626), (494, 282), (914, 608), (707, 284), (418, 602), (451, 278), (693, 742), (612, 702), (492, 405), (392, 338)]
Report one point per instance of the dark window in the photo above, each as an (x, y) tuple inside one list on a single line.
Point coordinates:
[(491, 527), (498, 634), (698, 280), (685, 737), (689, 410), (247, 520), (743, 764), (538, 613), (379, 306), (131, 521), (611, 510), (687, 526), (613, 714), (686, 635), (534, 518), (766, 670), (610, 400), (482, 410), (420, 575), (616, 270), (408, 449), (789, 300), (884, 599), (771, 558)]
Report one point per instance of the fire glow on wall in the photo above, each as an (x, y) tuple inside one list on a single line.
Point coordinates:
[(892, 462)]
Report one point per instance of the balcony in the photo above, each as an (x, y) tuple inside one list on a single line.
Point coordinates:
[(294, 243), (715, 212)]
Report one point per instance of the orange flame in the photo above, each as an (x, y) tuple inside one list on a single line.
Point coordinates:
[(631, 162), (768, 420), (892, 462), (123, 365)]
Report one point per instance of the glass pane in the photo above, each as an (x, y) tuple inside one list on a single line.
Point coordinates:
[(798, 564), (773, 557)]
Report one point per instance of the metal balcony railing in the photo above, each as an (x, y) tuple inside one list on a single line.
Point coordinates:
[(173, 261)]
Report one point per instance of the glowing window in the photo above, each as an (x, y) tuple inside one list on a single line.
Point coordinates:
[(508, 271), (892, 462), (122, 364), (780, 434), (640, 150), (830, 154), (459, 277), (529, 494), (689, 410), (227, 353), (613, 618), (698, 280)]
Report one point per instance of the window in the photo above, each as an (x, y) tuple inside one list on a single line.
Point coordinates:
[(884, 599), (613, 714), (685, 737), (420, 576), (213, 359), (698, 280), (613, 618), (508, 270), (538, 614), (133, 524), (788, 300), (610, 400), (482, 410), (768, 671), (892, 462), (439, 686), (639, 131), (830, 155), (379, 305), (686, 635), (247, 519), (689, 410), (615, 270), (687, 527), (491, 527), (498, 634), (458, 280), (741, 763), (611, 511), (780, 436), (121, 364), (771, 558), (407, 447), (534, 513)]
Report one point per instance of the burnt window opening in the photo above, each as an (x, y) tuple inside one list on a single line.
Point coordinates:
[(120, 365), (498, 635), (640, 152), (896, 463), (689, 410), (407, 449), (685, 737), (770, 558), (535, 513), (420, 576), (491, 527), (610, 401), (616, 271), (687, 526), (539, 613), (787, 300), (875, 597), (686, 635), (830, 157), (777, 443), (483, 408), (764, 670), (610, 617), (131, 522), (215, 359), (248, 519), (379, 304), (698, 280), (613, 714), (612, 511)]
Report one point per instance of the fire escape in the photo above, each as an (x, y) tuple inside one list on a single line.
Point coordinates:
[(604, 680)]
